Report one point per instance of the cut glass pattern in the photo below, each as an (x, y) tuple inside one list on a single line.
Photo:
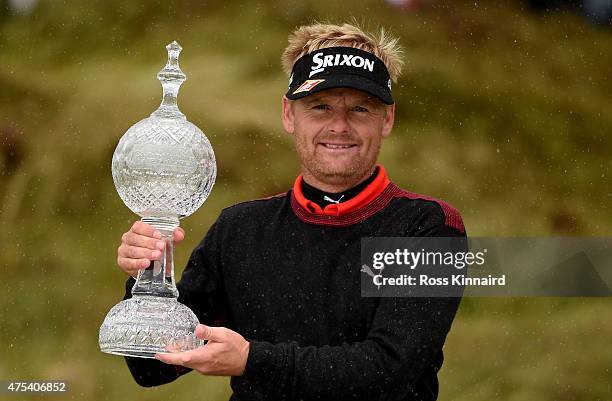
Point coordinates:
[(163, 168)]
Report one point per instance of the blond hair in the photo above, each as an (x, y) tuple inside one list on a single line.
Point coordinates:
[(309, 38)]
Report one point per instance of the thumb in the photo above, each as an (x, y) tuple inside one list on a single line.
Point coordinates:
[(204, 332)]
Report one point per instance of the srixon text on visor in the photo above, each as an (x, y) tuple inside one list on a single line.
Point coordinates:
[(332, 60)]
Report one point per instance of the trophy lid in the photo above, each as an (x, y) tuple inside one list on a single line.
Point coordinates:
[(171, 78)]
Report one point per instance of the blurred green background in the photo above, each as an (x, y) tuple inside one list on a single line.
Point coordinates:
[(503, 112)]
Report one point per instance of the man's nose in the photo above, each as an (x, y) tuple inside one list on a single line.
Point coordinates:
[(339, 123)]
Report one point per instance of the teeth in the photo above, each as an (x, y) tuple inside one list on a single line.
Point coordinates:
[(331, 146)]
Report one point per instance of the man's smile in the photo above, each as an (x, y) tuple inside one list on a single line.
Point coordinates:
[(337, 146)]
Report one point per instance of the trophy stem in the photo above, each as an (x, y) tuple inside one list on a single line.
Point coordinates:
[(152, 321), (158, 279)]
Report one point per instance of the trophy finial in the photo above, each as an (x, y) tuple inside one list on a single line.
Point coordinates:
[(174, 46), (171, 78)]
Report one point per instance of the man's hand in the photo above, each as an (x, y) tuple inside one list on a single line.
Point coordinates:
[(225, 354), (140, 245)]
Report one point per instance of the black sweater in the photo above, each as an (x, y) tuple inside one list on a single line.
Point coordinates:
[(285, 274)]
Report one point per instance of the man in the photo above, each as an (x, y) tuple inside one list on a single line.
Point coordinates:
[(282, 274)]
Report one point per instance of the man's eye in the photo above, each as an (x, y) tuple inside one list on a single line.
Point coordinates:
[(321, 107), (360, 109)]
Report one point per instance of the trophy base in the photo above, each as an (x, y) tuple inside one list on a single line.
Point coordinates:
[(135, 352), (147, 325)]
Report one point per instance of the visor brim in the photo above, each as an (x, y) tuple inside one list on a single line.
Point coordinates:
[(344, 81)]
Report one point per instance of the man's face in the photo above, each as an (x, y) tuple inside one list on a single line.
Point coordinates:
[(337, 134)]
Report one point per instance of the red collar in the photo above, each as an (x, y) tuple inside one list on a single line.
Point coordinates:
[(365, 197), (371, 200)]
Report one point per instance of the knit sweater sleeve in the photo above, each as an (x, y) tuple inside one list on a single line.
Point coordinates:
[(200, 290), (405, 337)]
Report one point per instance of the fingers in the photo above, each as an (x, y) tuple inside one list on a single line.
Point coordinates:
[(148, 230), (144, 232), (132, 266), (217, 334), (133, 252), (139, 247), (173, 347), (141, 241), (178, 235), (142, 244), (225, 354), (186, 358), (145, 229), (172, 358)]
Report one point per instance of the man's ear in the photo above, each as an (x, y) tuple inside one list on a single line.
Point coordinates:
[(388, 121), (287, 116)]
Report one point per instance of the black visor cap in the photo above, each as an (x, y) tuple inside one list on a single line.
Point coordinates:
[(340, 67)]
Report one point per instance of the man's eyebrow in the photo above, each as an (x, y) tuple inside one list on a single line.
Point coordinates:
[(314, 99), (369, 99), (369, 102)]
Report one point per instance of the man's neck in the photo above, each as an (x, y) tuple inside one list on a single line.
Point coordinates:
[(332, 187), (324, 198)]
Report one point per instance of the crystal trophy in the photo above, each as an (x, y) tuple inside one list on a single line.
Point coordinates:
[(164, 169)]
